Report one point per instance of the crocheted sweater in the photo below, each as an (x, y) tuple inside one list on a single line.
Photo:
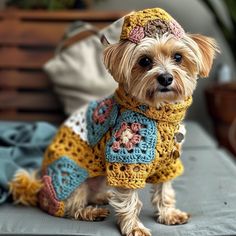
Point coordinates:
[(129, 142)]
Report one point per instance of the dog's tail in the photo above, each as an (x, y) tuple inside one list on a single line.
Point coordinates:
[(25, 187)]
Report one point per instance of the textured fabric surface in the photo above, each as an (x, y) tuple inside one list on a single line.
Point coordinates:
[(207, 191), (21, 146)]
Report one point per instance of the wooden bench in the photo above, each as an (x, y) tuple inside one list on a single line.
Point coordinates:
[(27, 40)]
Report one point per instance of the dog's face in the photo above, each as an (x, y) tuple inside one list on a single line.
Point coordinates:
[(159, 70)]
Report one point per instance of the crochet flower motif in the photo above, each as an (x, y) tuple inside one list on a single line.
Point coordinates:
[(102, 111), (127, 136), (156, 27), (47, 197), (136, 34)]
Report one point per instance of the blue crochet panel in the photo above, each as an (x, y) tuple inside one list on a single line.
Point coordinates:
[(101, 115), (133, 140), (66, 176)]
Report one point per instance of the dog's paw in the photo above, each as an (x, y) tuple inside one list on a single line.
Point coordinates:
[(100, 214), (172, 216), (140, 232), (92, 214)]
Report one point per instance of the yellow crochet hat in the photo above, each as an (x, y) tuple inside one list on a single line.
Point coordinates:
[(149, 23)]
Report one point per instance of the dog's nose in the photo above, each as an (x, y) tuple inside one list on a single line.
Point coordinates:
[(165, 79)]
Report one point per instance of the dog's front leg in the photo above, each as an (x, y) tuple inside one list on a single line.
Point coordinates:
[(127, 207), (163, 200)]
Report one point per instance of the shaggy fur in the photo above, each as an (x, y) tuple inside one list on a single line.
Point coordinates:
[(163, 200)]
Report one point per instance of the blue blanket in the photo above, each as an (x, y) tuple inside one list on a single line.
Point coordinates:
[(21, 146)]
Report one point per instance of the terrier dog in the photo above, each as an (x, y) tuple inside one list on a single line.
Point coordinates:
[(134, 136)]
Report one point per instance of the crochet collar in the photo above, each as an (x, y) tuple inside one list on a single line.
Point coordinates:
[(173, 113)]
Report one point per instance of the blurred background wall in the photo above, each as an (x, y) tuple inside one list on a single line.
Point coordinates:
[(2, 4)]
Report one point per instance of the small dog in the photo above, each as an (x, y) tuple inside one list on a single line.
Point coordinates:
[(135, 136)]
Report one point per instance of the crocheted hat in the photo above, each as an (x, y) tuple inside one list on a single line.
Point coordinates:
[(149, 23)]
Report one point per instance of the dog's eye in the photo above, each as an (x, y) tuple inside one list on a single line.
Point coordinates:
[(177, 57), (145, 62)]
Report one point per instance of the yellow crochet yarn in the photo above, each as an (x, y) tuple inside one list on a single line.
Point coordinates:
[(67, 143), (173, 113)]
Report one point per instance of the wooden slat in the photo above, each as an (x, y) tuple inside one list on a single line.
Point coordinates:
[(28, 100), (34, 34), (53, 118), (15, 79), (23, 58), (27, 41), (63, 15)]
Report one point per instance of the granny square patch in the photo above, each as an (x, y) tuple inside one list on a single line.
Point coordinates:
[(66, 176), (101, 115), (133, 140)]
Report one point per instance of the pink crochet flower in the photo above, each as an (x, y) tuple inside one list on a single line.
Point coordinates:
[(127, 136), (47, 197), (176, 29), (102, 111), (136, 34)]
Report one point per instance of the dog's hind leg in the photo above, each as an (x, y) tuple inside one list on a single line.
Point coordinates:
[(127, 207), (163, 200), (76, 206), (98, 190)]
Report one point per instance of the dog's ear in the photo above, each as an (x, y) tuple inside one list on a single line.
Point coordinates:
[(208, 49), (109, 57), (115, 59)]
